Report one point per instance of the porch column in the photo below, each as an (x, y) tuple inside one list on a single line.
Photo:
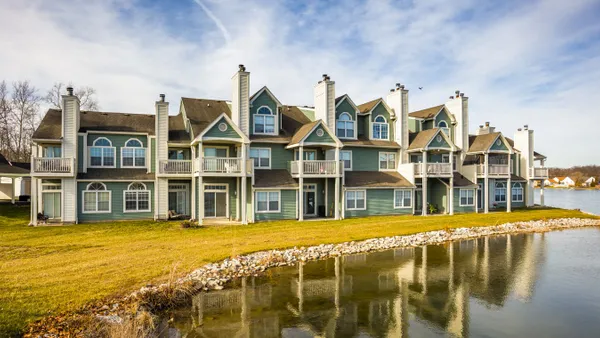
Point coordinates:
[(452, 183), (542, 193), (326, 200), (476, 198), (200, 199), (424, 184), (34, 201), (12, 190), (244, 193), (486, 185), (238, 204), (508, 194), (336, 212), (301, 183), (193, 183)]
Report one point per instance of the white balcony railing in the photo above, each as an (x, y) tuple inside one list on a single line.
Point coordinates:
[(318, 167), (434, 169), (418, 169), (53, 165), (494, 169), (224, 165), (175, 167), (538, 172)]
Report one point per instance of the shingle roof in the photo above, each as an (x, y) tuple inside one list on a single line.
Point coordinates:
[(367, 106), (202, 112), (303, 131), (274, 178), (7, 167), (292, 118), (177, 132), (426, 113), (50, 127), (363, 142), (376, 179), (459, 181), (422, 139), (116, 174), (516, 178), (481, 143)]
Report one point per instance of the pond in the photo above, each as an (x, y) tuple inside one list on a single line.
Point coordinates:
[(586, 200), (532, 285)]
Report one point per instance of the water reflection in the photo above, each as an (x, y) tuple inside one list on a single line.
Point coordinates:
[(427, 290)]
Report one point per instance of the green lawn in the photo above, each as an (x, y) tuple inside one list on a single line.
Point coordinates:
[(47, 270)]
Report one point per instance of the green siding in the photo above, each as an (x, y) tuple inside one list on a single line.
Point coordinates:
[(117, 206), (280, 157), (262, 100), (345, 107), (435, 143), (362, 126), (457, 207), (414, 125), (118, 141), (437, 194), (443, 116), (379, 202), (153, 158), (501, 147), (366, 159), (229, 133), (515, 157), (313, 137), (80, 147), (287, 207), (426, 125), (380, 110)]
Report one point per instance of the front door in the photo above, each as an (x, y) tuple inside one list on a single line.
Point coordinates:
[(310, 199), (480, 197), (178, 198), (51, 205), (215, 201)]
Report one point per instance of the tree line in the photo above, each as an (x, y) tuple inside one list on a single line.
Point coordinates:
[(577, 173), (20, 113)]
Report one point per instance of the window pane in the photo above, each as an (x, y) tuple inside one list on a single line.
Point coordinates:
[(264, 153), (261, 196), (350, 132), (253, 153), (144, 200), (108, 154), (89, 201), (102, 143), (264, 162), (221, 152), (384, 131), (256, 162), (103, 201), (133, 143), (130, 201), (269, 124), (360, 203), (398, 198)]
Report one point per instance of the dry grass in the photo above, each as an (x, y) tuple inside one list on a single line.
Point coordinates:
[(48, 270)]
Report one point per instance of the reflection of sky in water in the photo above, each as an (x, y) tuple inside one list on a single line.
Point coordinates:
[(586, 200), (522, 285)]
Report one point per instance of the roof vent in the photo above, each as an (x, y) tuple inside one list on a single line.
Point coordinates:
[(162, 97), (401, 86), (451, 97), (392, 90), (457, 92), (242, 68), (519, 129), (487, 124), (70, 91), (462, 94), (526, 127)]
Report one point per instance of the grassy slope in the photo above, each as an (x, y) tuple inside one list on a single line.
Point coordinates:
[(46, 270)]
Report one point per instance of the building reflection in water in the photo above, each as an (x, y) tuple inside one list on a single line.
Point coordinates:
[(370, 295)]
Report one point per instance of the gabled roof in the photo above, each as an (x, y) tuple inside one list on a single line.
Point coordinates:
[(482, 143), (304, 131), (292, 119), (422, 139), (243, 136), (6, 167), (426, 113), (345, 97), (202, 112), (367, 108), (177, 132), (376, 179), (262, 90), (274, 178)]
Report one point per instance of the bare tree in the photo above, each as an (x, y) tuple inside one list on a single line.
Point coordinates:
[(5, 114), (86, 96), (24, 117)]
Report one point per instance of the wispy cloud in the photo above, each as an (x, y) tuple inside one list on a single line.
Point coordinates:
[(519, 62)]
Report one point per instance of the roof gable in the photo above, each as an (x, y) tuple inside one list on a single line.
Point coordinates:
[(203, 112), (427, 113), (428, 139), (222, 128), (368, 107), (302, 135), (499, 144), (265, 90)]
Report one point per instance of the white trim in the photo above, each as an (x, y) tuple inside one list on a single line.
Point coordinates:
[(410, 191), (275, 121), (83, 192), (89, 154), (364, 191), (200, 137), (374, 123), (124, 147), (387, 160), (460, 203), (268, 191), (522, 191), (505, 192), (336, 140), (351, 160), (226, 191), (137, 201), (118, 132), (353, 121), (259, 149)]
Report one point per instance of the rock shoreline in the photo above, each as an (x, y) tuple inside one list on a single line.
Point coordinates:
[(215, 275)]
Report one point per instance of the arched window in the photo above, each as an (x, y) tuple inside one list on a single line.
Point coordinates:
[(444, 127), (500, 192), (96, 199), (136, 198), (517, 192), (102, 153), (345, 126), (133, 154), (380, 128), (264, 121)]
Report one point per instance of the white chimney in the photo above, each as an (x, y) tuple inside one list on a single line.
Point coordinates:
[(240, 102), (70, 128), (325, 101), (161, 129), (397, 99), (458, 105), (485, 129), (524, 142)]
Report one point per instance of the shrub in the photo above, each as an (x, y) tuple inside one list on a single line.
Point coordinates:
[(186, 224)]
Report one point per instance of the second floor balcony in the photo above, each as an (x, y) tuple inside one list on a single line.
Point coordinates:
[(317, 168), (494, 170), (53, 166), (433, 169), (224, 166), (175, 167), (538, 173)]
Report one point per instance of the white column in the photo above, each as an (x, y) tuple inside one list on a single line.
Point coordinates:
[(336, 212), (486, 185), (244, 192), (12, 190), (541, 194), (326, 200), (452, 183), (424, 183), (193, 203), (301, 183), (476, 198), (238, 204), (200, 199), (508, 195), (34, 200)]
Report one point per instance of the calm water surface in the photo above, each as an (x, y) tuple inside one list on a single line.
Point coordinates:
[(586, 200), (535, 285)]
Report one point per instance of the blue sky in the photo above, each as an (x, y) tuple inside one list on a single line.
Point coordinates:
[(519, 62)]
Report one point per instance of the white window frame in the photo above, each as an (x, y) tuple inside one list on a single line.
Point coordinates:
[(496, 189), (268, 211), (387, 154), (403, 191), (364, 191), (346, 122), (380, 124), (513, 188), (125, 147), (114, 152), (460, 197), (350, 152), (137, 201), (275, 128), (446, 129), (259, 149), (83, 192)]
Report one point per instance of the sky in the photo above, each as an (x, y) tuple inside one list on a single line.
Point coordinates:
[(519, 62)]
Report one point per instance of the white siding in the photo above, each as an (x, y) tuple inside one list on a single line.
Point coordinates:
[(324, 97), (240, 101), (69, 196), (162, 195)]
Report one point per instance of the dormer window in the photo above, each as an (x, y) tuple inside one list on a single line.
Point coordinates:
[(102, 153), (380, 128), (133, 154), (345, 126), (444, 127), (264, 121)]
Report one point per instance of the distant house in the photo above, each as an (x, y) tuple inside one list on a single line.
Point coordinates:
[(563, 181), (549, 182), (14, 179), (590, 181)]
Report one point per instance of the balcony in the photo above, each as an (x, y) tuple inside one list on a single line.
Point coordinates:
[(316, 168), (53, 166), (494, 170), (224, 166), (538, 173), (175, 167), (433, 169)]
